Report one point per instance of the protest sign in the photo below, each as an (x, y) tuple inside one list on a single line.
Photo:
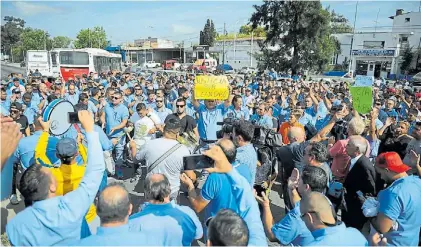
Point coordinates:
[(362, 99), (363, 81), (211, 87)]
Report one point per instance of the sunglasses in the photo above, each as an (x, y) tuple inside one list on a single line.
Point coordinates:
[(116, 98), (14, 111), (159, 101), (180, 106), (17, 92), (137, 89)]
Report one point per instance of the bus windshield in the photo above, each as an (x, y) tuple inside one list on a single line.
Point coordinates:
[(74, 58)]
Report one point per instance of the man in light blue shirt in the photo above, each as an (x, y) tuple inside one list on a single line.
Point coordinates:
[(51, 219), (161, 110), (72, 95), (25, 152), (31, 109), (209, 116), (246, 154), (115, 117), (292, 229), (318, 215), (178, 225), (237, 110), (261, 119), (114, 208), (5, 102), (247, 208), (399, 217)]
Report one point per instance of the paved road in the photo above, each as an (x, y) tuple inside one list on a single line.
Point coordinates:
[(6, 69)]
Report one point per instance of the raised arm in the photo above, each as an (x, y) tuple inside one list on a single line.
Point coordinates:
[(75, 204)]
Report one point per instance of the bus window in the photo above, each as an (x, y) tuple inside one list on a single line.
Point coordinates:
[(74, 58), (54, 59)]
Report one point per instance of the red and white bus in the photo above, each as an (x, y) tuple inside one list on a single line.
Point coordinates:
[(73, 62)]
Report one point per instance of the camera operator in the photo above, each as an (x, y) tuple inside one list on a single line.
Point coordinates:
[(242, 135)]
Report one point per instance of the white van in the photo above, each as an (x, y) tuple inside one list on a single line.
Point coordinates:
[(38, 60)]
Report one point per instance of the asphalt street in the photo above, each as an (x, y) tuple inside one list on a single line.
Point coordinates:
[(6, 69)]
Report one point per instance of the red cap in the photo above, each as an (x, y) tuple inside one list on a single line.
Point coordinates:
[(392, 90), (392, 162), (418, 95)]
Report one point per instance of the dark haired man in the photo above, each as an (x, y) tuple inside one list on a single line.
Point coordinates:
[(188, 123), (216, 192), (227, 229), (52, 219), (159, 161), (246, 154), (178, 225), (291, 229)]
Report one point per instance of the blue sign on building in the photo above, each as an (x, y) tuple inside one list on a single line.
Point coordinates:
[(374, 53)]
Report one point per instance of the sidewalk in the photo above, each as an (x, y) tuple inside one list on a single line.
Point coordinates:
[(17, 65)]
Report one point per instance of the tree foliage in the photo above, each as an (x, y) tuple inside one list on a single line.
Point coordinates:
[(339, 24), (61, 42), (208, 35), (248, 29), (298, 35), (34, 39), (10, 32), (86, 38), (407, 57)]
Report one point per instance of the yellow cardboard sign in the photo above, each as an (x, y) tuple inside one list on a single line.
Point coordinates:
[(211, 87), (362, 99)]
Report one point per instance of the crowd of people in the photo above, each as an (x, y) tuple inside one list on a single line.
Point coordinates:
[(346, 177)]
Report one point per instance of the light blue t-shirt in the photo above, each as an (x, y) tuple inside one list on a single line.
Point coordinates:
[(243, 113), (244, 171), (292, 229), (217, 190), (170, 224), (401, 202), (113, 117), (73, 98), (339, 235), (263, 121), (246, 155), (207, 122)]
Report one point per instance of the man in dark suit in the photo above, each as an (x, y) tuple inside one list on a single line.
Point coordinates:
[(361, 177)]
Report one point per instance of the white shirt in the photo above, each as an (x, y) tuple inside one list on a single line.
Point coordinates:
[(353, 161)]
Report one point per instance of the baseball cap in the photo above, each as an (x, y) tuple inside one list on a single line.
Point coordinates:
[(15, 79), (66, 148), (16, 105), (391, 161)]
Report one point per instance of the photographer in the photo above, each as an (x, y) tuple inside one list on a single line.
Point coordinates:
[(243, 132)]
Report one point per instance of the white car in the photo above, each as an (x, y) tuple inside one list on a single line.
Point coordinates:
[(247, 70), (152, 64)]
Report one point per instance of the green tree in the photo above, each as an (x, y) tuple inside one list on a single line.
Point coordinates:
[(61, 42), (406, 57), (208, 35), (96, 38), (297, 35), (248, 29), (10, 32), (34, 39), (339, 24)]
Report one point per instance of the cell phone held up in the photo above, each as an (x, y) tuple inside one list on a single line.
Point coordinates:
[(73, 117), (197, 162)]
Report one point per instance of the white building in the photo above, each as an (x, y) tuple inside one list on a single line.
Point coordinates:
[(238, 53), (378, 53)]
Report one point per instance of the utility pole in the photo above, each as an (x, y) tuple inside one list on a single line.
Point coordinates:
[(352, 40), (223, 47), (89, 35), (45, 41)]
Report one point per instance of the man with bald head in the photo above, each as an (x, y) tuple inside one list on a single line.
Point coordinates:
[(319, 216), (292, 155), (114, 208), (164, 220), (361, 177)]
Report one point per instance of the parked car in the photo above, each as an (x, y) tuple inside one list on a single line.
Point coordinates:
[(224, 69), (416, 80), (152, 64), (248, 70)]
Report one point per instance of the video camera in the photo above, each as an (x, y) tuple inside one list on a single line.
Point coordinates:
[(227, 127)]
